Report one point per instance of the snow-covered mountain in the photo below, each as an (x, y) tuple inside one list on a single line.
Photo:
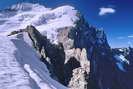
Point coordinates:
[(46, 20), (46, 48)]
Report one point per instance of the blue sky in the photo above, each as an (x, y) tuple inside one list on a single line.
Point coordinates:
[(115, 16)]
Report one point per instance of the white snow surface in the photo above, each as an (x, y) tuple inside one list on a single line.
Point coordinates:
[(20, 67), (46, 20)]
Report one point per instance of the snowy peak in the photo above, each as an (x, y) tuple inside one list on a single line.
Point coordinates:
[(20, 67), (46, 20), (27, 7)]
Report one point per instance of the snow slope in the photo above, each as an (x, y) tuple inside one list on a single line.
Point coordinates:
[(20, 67), (46, 20)]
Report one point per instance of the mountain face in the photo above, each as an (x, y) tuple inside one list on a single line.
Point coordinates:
[(58, 49)]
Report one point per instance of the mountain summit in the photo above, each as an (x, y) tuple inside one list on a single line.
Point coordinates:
[(45, 48)]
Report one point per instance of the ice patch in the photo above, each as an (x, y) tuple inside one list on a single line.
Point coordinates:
[(120, 62), (121, 58)]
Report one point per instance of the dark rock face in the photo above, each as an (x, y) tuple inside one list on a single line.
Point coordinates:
[(52, 55), (98, 54)]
